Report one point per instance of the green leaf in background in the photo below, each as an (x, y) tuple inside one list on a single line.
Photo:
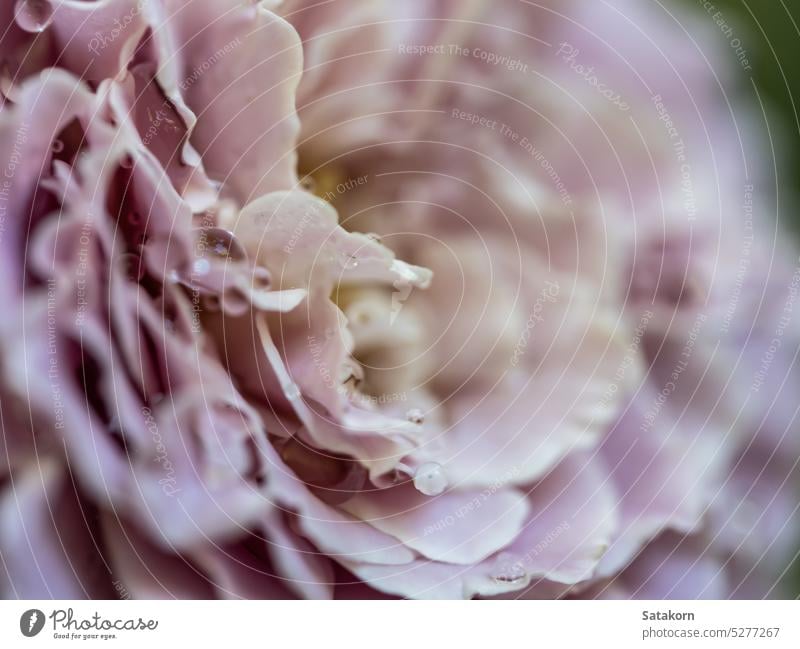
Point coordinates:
[(769, 31)]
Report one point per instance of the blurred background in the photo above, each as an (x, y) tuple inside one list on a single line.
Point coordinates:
[(770, 32)]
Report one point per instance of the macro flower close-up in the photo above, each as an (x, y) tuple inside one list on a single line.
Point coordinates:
[(366, 299)]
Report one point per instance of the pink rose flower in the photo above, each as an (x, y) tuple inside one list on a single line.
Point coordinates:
[(428, 300)]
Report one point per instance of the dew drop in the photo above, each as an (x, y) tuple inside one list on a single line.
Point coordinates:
[(415, 416), (33, 15), (429, 479), (201, 266), (509, 570), (58, 146), (349, 262), (223, 243)]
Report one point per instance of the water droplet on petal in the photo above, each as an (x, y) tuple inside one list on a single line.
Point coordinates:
[(201, 266), (58, 146), (223, 243), (509, 570), (416, 416), (429, 479), (349, 262), (33, 15)]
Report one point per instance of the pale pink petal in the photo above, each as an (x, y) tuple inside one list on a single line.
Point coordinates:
[(461, 527)]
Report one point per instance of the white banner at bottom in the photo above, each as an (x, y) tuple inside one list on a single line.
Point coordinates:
[(400, 624)]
